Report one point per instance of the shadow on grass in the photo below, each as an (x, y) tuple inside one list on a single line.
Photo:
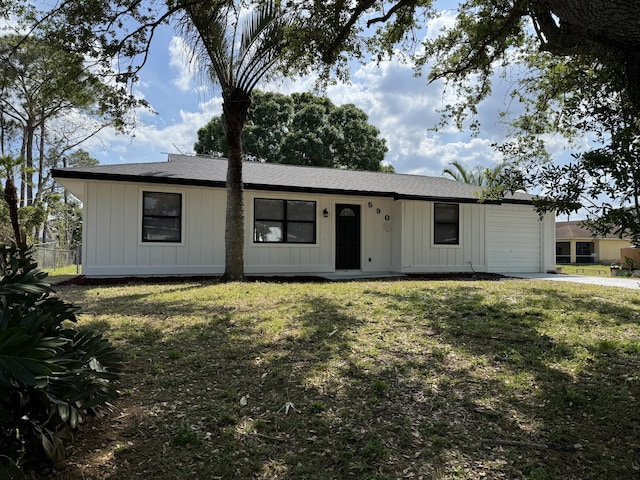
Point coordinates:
[(444, 381)]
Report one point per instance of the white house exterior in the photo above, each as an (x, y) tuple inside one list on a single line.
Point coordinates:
[(168, 218)]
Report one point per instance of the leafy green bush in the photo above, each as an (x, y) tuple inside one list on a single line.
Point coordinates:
[(51, 375)]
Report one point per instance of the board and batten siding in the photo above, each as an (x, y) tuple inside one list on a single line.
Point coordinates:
[(395, 235), (113, 230), (517, 241), (420, 255), (377, 234), (287, 258), (376, 237)]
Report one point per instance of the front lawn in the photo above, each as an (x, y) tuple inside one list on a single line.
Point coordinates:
[(366, 380)]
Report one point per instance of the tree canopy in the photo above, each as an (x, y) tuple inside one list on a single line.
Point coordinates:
[(482, 36), (574, 67), (333, 32), (301, 129), (50, 103)]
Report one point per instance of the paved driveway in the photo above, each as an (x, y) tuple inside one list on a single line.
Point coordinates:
[(633, 283)]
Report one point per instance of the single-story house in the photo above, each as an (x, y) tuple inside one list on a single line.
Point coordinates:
[(576, 244), (168, 218)]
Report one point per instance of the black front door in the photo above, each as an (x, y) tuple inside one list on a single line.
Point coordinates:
[(347, 237)]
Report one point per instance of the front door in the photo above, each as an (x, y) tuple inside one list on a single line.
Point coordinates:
[(347, 237)]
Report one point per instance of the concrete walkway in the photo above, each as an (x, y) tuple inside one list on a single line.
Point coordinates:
[(633, 283)]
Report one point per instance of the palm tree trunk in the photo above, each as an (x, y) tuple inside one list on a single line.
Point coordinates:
[(235, 109)]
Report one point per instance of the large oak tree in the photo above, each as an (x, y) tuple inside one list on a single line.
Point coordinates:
[(335, 31), (301, 129), (578, 74)]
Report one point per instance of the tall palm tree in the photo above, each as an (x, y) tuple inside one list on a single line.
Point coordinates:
[(240, 48)]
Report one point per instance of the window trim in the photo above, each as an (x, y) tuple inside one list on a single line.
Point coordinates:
[(434, 225), (286, 222), (141, 216)]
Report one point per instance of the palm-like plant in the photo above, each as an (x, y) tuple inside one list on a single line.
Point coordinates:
[(479, 175), (240, 49), (51, 374)]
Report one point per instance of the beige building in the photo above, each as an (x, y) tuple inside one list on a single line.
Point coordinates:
[(576, 244)]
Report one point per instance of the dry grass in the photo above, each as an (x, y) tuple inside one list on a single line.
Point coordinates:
[(367, 380)]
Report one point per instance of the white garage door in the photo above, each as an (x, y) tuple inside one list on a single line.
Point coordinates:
[(513, 239)]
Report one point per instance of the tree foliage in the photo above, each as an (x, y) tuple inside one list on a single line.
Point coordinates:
[(478, 175), (484, 34), (49, 104), (55, 217), (574, 67), (603, 181), (301, 129)]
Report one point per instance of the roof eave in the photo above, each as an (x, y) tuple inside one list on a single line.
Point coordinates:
[(72, 174), (116, 177)]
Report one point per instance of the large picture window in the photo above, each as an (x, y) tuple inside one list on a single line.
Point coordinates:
[(284, 221), (446, 224), (161, 217)]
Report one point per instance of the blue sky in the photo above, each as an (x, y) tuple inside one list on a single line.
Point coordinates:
[(403, 107)]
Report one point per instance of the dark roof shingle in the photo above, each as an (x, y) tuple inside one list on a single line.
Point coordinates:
[(206, 171)]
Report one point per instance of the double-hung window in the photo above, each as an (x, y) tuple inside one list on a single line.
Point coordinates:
[(284, 221), (161, 217), (446, 224)]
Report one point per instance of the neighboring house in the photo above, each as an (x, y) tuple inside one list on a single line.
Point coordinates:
[(168, 218), (576, 244)]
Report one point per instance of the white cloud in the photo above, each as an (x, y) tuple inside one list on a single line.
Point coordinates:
[(182, 61), (148, 142)]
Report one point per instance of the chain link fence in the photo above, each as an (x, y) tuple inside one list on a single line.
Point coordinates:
[(50, 256)]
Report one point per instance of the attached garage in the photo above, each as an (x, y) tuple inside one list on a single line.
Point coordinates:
[(514, 239)]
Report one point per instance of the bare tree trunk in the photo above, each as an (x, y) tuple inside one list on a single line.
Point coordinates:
[(23, 174), (41, 160), (610, 22), (11, 197), (235, 108), (29, 165)]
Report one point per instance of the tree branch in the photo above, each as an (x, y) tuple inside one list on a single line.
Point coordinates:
[(392, 10), (328, 56)]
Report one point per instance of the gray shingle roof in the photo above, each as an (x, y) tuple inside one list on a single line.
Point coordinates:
[(575, 229), (205, 171)]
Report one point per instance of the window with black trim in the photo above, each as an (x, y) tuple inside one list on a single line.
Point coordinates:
[(584, 252), (446, 224), (161, 217), (284, 221)]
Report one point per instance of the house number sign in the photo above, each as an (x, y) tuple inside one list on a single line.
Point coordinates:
[(378, 211)]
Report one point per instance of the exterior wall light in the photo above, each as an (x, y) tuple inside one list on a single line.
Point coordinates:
[(325, 213)]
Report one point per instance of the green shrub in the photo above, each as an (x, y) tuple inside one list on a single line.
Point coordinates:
[(51, 374)]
